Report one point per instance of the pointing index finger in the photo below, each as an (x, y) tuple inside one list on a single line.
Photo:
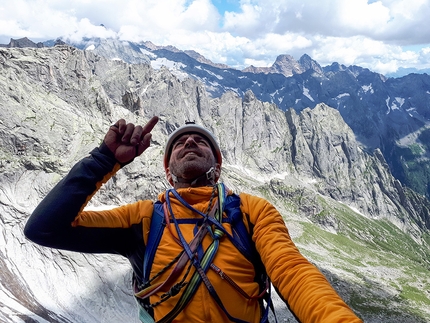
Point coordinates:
[(150, 125)]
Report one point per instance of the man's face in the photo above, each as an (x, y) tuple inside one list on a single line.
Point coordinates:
[(191, 156)]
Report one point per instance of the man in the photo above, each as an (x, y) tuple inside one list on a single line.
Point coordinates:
[(197, 273)]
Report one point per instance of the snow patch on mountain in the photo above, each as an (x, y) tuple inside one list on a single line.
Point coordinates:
[(160, 62), (368, 88), (148, 53), (399, 101), (342, 95), (91, 47), (307, 94), (118, 59), (387, 102), (396, 104), (174, 67), (219, 77)]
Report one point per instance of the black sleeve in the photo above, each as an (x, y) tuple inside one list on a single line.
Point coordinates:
[(50, 223)]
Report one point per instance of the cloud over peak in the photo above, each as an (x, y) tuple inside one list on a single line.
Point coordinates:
[(381, 35)]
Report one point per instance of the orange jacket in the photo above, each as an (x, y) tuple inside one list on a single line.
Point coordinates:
[(300, 283)]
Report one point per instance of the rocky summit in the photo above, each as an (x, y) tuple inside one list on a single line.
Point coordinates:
[(368, 233)]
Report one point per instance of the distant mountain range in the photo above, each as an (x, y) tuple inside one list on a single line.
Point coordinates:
[(405, 71), (392, 114)]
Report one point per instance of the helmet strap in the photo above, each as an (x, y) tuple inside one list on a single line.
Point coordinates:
[(207, 176)]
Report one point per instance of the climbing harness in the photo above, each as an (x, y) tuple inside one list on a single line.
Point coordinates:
[(192, 253)]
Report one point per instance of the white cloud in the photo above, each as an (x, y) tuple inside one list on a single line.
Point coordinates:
[(426, 51), (361, 16), (268, 44), (246, 23), (84, 28), (349, 32)]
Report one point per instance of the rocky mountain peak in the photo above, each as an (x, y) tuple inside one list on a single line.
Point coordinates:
[(150, 45), (307, 63), (256, 70), (22, 42), (200, 58), (335, 67), (286, 65)]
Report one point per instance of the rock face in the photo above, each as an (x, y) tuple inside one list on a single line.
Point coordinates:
[(344, 209), (390, 114)]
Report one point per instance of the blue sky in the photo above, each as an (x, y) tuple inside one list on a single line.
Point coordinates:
[(227, 5), (381, 35)]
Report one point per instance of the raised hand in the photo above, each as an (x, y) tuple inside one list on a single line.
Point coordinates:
[(128, 141)]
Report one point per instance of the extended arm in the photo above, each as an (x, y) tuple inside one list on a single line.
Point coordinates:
[(302, 286), (51, 222)]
